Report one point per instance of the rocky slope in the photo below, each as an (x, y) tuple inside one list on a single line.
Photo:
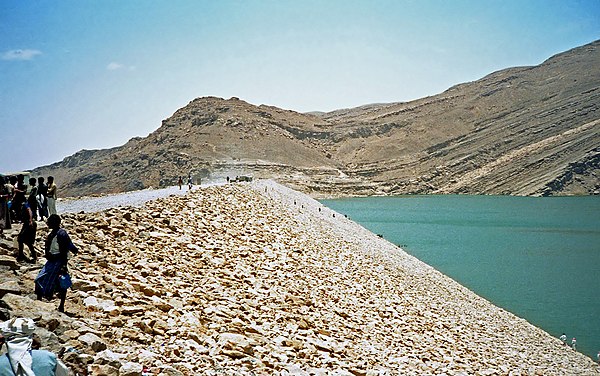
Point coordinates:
[(526, 131), (516, 131), (261, 280)]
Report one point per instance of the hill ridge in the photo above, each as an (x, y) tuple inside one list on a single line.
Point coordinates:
[(432, 144)]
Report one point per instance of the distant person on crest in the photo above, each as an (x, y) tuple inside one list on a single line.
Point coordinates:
[(42, 198), (51, 195)]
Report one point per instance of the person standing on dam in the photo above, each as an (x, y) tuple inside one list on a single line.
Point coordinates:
[(51, 195)]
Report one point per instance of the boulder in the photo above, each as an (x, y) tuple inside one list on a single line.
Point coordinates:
[(9, 261), (49, 341), (235, 345), (130, 369), (26, 307), (147, 357), (105, 305), (6, 247), (104, 370), (93, 341), (84, 285), (10, 287), (170, 371), (110, 358)]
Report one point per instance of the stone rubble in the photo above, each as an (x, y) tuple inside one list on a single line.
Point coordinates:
[(257, 279)]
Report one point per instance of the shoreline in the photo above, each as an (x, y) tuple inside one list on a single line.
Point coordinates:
[(402, 258), (104, 201)]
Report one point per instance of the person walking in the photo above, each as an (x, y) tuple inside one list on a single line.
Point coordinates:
[(27, 234), (42, 198), (574, 343), (31, 195), (54, 276), (563, 338), (51, 195), (190, 183), (180, 182)]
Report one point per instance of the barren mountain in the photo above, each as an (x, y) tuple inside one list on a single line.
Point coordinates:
[(525, 131)]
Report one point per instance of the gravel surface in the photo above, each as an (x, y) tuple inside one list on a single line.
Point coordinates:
[(134, 198)]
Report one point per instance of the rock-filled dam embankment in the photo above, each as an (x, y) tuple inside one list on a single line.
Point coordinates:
[(258, 279)]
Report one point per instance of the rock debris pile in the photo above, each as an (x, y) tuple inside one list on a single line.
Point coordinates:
[(257, 279)]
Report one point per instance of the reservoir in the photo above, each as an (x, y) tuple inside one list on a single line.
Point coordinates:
[(537, 257)]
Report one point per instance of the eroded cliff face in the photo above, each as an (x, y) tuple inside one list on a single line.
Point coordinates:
[(525, 131)]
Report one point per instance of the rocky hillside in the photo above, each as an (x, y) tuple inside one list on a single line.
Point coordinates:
[(261, 280), (526, 131)]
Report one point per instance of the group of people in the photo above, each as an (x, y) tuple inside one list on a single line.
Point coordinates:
[(25, 203), (190, 182), (36, 195), (563, 338)]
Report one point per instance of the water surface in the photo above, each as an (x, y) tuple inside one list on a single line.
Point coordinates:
[(536, 257)]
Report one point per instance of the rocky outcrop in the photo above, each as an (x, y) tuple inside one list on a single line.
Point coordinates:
[(579, 177), (257, 279)]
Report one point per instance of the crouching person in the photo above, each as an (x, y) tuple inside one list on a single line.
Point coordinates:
[(21, 359), (54, 276)]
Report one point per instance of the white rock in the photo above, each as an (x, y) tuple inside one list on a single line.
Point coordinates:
[(130, 369)]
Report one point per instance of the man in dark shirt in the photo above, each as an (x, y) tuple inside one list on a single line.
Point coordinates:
[(18, 197), (32, 197), (42, 197), (27, 234), (57, 248)]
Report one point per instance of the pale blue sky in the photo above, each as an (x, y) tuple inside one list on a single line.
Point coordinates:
[(92, 74)]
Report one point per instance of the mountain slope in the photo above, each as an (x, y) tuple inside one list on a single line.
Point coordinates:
[(436, 141), (209, 136), (525, 130)]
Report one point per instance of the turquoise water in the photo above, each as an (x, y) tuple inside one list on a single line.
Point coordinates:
[(536, 257)]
